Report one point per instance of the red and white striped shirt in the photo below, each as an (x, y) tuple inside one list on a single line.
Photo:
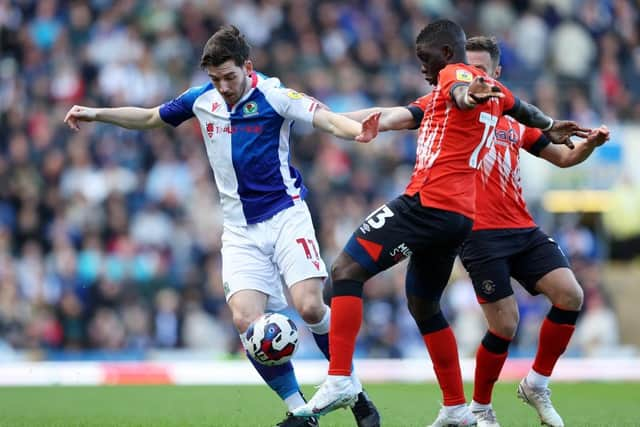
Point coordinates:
[(452, 142)]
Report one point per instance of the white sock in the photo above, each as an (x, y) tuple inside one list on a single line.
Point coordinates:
[(455, 408), (294, 401), (243, 339), (357, 385), (476, 407), (537, 380), (322, 327)]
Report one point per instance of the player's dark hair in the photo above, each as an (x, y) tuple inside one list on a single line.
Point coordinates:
[(485, 44), (440, 33), (227, 43)]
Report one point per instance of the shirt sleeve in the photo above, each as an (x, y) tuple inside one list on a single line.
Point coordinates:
[(417, 108), (509, 101), (292, 105), (452, 76), (180, 109), (534, 141)]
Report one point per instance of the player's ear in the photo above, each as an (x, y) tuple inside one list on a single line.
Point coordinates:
[(248, 67), (447, 52)]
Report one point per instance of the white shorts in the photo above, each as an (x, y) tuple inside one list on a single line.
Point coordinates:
[(256, 256)]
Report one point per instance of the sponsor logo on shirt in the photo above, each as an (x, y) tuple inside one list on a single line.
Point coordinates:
[(250, 109), (215, 106), (210, 129)]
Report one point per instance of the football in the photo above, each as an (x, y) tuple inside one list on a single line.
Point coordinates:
[(272, 339)]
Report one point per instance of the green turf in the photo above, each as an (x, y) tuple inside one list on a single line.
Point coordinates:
[(583, 404)]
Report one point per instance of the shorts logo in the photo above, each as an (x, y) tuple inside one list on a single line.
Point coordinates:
[(464, 76), (377, 219), (488, 287), (400, 252), (250, 109), (365, 228), (226, 288)]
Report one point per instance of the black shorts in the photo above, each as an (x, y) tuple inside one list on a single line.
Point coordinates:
[(403, 228), (493, 256)]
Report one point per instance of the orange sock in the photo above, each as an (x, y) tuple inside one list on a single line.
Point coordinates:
[(553, 341), (443, 350), (346, 318)]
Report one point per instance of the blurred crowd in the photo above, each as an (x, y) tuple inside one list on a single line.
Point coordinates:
[(110, 238)]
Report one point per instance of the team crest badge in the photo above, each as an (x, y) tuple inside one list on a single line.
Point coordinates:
[(250, 108), (464, 76), (488, 287), (294, 95)]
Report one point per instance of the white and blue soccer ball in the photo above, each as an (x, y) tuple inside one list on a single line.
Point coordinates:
[(272, 339)]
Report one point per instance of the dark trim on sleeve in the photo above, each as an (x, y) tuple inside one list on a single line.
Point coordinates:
[(516, 106), (454, 87), (539, 145), (417, 114)]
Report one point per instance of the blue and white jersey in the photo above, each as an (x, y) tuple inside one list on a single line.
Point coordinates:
[(248, 145)]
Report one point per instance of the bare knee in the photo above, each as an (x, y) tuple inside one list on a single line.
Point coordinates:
[(345, 268), (243, 317), (562, 289), (571, 300), (504, 322), (311, 308)]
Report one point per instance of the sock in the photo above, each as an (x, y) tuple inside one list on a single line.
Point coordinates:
[(443, 350), (490, 358), (281, 379), (320, 333), (555, 333), (346, 318), (536, 380), (478, 407)]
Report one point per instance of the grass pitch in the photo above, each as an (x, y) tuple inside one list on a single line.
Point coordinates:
[(581, 404)]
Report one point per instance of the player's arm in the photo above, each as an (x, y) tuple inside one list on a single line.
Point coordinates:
[(126, 117), (565, 157), (558, 131), (479, 91), (346, 128), (391, 118)]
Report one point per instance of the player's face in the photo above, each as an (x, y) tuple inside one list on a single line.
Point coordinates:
[(231, 80), (483, 61), (433, 60)]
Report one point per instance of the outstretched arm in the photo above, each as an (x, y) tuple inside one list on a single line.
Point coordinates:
[(346, 128), (558, 131), (565, 157), (391, 118), (126, 117)]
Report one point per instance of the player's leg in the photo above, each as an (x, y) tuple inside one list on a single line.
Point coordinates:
[(427, 276), (369, 251), (307, 298), (297, 256), (252, 284), (546, 270), (489, 274)]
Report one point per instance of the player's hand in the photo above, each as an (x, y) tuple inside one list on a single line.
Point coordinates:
[(480, 91), (78, 113), (562, 131), (369, 128), (598, 136)]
